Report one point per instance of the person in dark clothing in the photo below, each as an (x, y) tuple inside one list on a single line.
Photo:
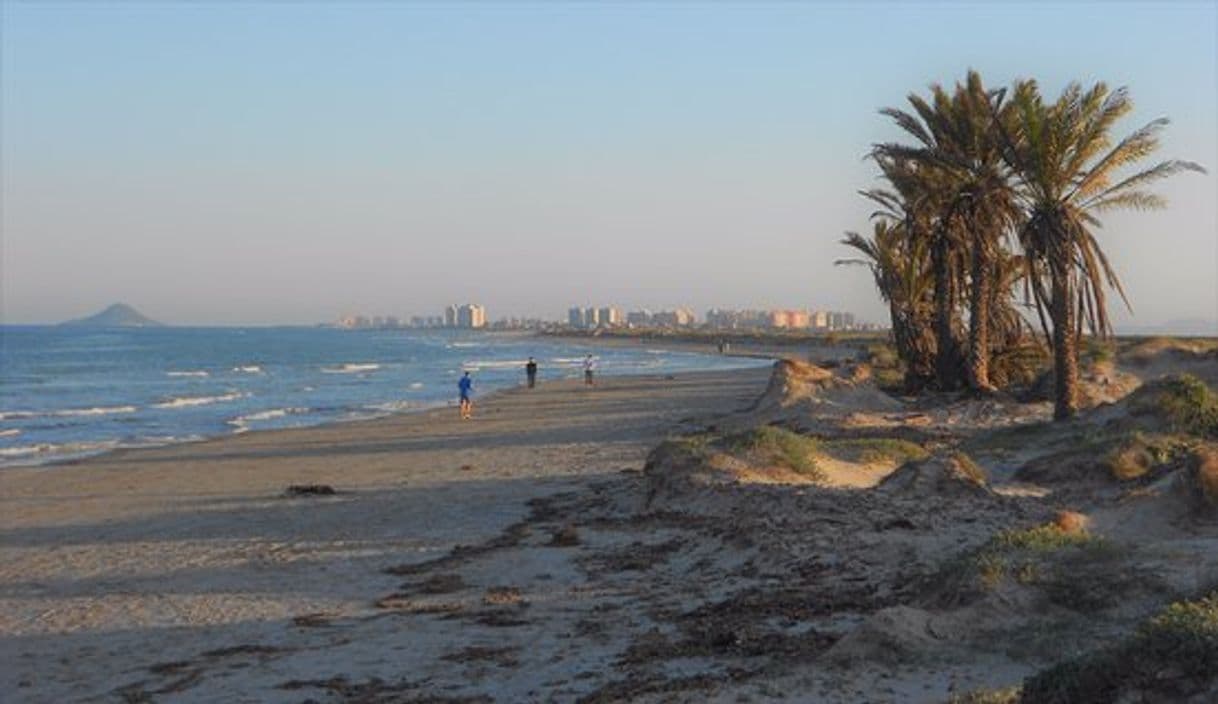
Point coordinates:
[(530, 371), (465, 386)]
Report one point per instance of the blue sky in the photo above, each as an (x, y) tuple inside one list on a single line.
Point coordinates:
[(286, 162)]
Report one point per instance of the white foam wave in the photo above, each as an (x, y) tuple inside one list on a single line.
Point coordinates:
[(416, 385), (198, 372), (248, 369), (50, 452), (241, 421), (11, 432), (572, 361), (97, 411), (24, 450), (68, 412), (184, 401), (351, 368), (395, 406), (464, 344), (43, 450), (475, 365)]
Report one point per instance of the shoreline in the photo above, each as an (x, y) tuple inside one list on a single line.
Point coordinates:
[(31, 461)]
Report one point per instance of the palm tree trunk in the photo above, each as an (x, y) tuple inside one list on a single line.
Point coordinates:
[(946, 355), (1065, 345), (979, 320)]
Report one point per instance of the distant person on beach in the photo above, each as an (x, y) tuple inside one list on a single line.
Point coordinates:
[(530, 371), (589, 367), (466, 386)]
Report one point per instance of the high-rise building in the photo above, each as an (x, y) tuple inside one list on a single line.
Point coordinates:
[(638, 318), (450, 317), (471, 315), (575, 317), (611, 317)]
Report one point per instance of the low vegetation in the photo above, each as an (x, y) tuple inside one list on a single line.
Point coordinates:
[(1047, 556), (1006, 695), (1171, 657), (1138, 455), (874, 450), (1186, 405), (779, 447)]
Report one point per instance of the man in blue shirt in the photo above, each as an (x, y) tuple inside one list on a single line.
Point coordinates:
[(466, 385)]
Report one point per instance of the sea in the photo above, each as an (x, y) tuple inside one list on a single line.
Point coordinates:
[(70, 392)]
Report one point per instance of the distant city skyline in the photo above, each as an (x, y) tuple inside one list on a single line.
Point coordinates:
[(285, 163)]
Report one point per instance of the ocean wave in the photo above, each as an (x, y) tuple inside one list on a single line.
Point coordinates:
[(475, 365), (248, 369), (199, 372), (460, 345), (416, 385), (67, 412), (96, 411), (271, 414), (184, 401), (46, 449), (11, 432), (49, 452), (395, 406), (572, 361), (351, 368)]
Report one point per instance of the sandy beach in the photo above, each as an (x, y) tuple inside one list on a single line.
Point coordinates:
[(793, 533), (114, 566)]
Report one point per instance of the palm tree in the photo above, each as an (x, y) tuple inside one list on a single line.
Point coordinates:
[(901, 269), (958, 139), (911, 169), (1067, 171), (916, 201)]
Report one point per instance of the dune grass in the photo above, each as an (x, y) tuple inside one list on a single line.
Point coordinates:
[(1045, 556), (780, 447), (871, 450), (1173, 655), (1187, 405)]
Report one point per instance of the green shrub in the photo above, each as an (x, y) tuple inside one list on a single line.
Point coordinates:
[(1173, 655), (1032, 556), (1189, 406), (875, 450), (780, 446)]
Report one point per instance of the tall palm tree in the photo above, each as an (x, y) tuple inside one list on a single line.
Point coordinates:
[(901, 269), (958, 139), (1067, 170), (917, 199), (931, 182)]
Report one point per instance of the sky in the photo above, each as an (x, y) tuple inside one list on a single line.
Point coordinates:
[(223, 163)]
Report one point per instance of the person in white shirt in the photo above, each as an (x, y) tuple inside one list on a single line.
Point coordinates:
[(589, 367)]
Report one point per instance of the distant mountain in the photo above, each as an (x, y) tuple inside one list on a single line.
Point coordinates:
[(119, 315)]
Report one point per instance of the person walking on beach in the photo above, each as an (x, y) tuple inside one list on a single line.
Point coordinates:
[(530, 371), (466, 386), (589, 367)]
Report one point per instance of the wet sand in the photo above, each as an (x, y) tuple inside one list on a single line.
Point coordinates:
[(184, 573)]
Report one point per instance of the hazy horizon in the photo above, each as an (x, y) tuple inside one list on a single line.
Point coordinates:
[(230, 164)]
